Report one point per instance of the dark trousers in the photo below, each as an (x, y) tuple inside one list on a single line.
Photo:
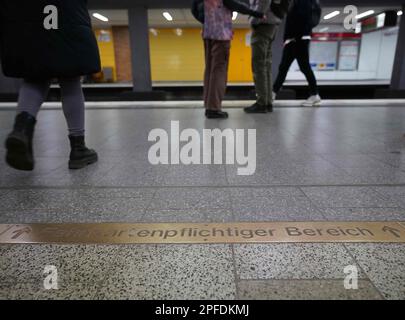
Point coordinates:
[(262, 41), (216, 72), (296, 50)]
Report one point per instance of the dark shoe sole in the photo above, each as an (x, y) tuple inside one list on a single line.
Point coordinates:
[(18, 155), (82, 163), (255, 111), (216, 117)]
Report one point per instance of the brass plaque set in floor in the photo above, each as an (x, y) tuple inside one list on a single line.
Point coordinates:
[(196, 233)]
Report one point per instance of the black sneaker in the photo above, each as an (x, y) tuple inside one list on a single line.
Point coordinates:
[(256, 108), (214, 114)]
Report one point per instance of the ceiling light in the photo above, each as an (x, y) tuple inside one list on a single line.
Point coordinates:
[(168, 16), (400, 13), (100, 17), (365, 14), (234, 15), (331, 15)]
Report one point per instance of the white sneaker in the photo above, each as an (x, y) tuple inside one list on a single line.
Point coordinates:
[(313, 101)]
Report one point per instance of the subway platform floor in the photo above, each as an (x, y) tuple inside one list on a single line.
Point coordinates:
[(313, 165)]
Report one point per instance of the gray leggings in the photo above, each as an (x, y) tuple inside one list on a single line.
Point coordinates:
[(33, 93)]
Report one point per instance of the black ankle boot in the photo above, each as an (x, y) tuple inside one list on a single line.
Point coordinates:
[(80, 156), (19, 143)]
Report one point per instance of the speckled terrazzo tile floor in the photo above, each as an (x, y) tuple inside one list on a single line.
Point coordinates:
[(384, 264), (120, 272), (273, 271), (292, 261), (305, 290), (335, 164)]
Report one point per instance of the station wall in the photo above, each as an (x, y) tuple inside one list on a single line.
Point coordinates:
[(178, 55), (105, 40)]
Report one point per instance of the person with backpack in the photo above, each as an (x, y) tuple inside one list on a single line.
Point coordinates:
[(263, 34), (41, 40), (216, 16), (302, 17)]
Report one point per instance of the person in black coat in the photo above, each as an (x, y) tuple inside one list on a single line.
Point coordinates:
[(297, 37), (41, 40)]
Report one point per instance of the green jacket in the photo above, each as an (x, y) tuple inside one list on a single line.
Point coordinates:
[(274, 10)]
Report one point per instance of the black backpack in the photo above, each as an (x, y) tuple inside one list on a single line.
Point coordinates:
[(316, 13), (197, 10)]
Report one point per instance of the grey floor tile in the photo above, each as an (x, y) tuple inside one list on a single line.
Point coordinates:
[(190, 198), (36, 216), (289, 171), (37, 199), (305, 290), (271, 192), (354, 197), (134, 176), (113, 154), (188, 215), (272, 204), (113, 206), (4, 192), (364, 214), (398, 191), (19, 180), (54, 148), (43, 167), (368, 146), (335, 148), (292, 261), (393, 159), (311, 176), (384, 264), (278, 213), (259, 178), (88, 176), (143, 194), (376, 176), (171, 272), (97, 214), (134, 216), (78, 201), (198, 175), (318, 167), (355, 161)]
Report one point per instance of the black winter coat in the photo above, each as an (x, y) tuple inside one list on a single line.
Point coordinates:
[(29, 50), (299, 20)]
